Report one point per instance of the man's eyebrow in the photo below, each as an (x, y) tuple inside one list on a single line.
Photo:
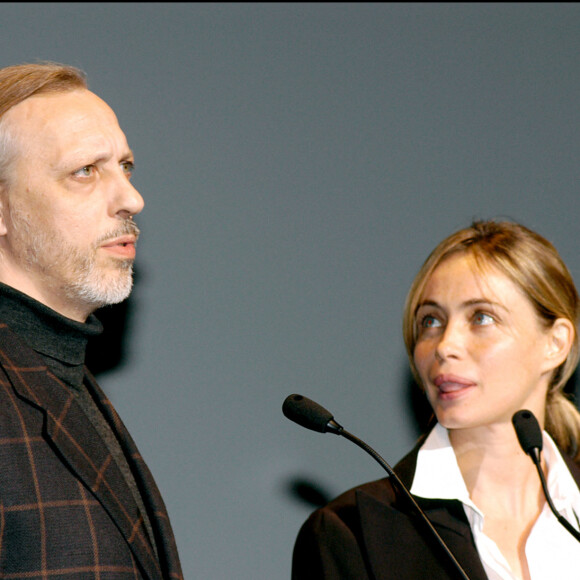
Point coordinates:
[(80, 158), (125, 156)]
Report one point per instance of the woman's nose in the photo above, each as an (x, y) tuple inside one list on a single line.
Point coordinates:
[(451, 343)]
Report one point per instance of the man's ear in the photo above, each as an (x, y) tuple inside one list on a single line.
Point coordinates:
[(560, 339)]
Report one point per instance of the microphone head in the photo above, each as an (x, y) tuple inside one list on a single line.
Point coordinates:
[(528, 431), (307, 413)]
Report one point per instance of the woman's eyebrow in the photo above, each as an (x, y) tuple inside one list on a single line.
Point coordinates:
[(465, 304)]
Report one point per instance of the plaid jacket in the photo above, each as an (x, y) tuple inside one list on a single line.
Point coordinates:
[(65, 509)]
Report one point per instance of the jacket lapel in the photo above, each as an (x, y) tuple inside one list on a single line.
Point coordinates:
[(77, 443), (163, 534), (414, 551)]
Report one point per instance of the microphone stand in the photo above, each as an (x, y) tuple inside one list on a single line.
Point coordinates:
[(311, 415), (530, 437), (342, 432), (559, 517)]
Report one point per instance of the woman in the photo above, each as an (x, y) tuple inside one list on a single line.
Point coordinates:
[(490, 329)]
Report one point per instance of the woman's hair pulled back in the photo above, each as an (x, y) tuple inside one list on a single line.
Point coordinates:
[(533, 264)]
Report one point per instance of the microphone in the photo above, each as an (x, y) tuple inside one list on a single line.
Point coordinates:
[(313, 416), (530, 438), (309, 414)]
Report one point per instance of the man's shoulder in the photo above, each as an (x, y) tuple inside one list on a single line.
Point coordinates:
[(12, 345)]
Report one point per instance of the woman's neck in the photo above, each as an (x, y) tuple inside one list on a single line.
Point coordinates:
[(496, 471)]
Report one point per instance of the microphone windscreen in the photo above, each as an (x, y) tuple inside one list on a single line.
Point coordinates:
[(528, 431), (307, 413)]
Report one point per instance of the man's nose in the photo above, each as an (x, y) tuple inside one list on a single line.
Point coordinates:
[(127, 201)]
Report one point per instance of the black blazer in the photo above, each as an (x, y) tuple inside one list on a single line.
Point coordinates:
[(368, 533), (65, 508)]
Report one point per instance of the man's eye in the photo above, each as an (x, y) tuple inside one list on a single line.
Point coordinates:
[(86, 171), (128, 167)]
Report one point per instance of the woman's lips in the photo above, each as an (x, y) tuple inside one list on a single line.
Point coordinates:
[(452, 386)]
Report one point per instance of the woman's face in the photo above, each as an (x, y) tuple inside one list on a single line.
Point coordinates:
[(481, 351)]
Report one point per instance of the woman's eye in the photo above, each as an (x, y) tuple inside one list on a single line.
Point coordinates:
[(429, 321), (483, 319)]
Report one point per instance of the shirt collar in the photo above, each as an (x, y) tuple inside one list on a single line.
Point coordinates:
[(437, 475), (563, 489)]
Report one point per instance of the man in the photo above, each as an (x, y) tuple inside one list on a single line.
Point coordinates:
[(76, 499)]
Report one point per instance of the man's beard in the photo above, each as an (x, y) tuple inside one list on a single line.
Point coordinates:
[(81, 279), (95, 287)]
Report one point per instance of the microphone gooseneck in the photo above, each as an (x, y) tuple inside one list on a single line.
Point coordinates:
[(313, 416), (530, 437)]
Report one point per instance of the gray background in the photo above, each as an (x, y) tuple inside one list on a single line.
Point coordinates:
[(298, 163)]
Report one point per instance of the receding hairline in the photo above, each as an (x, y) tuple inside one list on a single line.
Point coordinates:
[(19, 82)]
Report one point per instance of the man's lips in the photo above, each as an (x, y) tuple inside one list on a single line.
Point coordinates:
[(123, 246)]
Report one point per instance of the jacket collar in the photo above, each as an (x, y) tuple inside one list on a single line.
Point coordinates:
[(413, 552), (405, 553)]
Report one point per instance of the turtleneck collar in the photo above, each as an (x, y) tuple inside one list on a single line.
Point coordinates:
[(59, 340)]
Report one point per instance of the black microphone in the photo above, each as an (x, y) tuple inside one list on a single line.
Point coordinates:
[(530, 438), (313, 416), (309, 414)]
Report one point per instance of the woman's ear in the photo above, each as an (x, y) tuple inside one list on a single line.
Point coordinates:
[(560, 338), (3, 202)]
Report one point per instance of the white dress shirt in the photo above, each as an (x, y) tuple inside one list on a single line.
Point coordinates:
[(552, 552)]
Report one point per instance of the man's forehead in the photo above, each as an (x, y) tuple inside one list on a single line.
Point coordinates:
[(48, 110), (78, 119)]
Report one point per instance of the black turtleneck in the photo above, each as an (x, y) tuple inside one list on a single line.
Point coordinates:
[(60, 341)]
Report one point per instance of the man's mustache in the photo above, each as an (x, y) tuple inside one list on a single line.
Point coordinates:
[(128, 227)]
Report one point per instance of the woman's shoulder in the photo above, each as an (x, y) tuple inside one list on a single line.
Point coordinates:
[(381, 490), (573, 465)]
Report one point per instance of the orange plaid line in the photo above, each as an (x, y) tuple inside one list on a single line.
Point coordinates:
[(14, 440), (101, 473), (78, 570), (50, 504)]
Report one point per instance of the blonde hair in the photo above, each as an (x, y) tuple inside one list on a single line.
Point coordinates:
[(533, 264), (18, 83)]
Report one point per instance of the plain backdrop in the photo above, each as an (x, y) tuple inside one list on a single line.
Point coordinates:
[(298, 163)]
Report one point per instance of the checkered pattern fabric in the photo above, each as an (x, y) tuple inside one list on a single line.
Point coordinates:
[(65, 509)]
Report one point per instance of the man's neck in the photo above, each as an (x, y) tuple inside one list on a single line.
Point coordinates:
[(59, 340)]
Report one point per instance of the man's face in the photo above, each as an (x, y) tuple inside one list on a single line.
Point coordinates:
[(66, 234)]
